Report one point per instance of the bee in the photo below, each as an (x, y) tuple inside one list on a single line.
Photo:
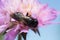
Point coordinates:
[(27, 20)]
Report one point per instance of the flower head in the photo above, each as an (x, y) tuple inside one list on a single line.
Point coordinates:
[(18, 16)]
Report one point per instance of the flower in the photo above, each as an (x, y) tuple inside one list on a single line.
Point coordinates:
[(35, 9)]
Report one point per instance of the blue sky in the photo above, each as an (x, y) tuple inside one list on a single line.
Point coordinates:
[(52, 3), (49, 32)]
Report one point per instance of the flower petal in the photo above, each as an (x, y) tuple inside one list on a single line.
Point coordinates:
[(4, 21), (43, 13), (24, 28), (11, 34), (3, 28)]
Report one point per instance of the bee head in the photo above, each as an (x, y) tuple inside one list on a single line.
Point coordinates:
[(31, 22)]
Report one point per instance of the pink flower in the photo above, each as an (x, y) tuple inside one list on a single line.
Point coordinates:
[(38, 11), (4, 20)]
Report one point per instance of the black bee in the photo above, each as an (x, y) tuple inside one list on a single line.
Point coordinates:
[(28, 20)]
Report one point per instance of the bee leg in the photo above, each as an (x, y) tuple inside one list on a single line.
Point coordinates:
[(36, 30), (24, 35), (19, 37)]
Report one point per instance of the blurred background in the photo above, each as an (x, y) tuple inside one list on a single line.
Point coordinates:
[(48, 32)]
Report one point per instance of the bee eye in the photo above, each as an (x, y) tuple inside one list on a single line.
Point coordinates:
[(34, 23)]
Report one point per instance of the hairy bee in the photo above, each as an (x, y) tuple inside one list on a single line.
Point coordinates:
[(28, 20)]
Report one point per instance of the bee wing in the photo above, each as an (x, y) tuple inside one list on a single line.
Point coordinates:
[(24, 35)]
